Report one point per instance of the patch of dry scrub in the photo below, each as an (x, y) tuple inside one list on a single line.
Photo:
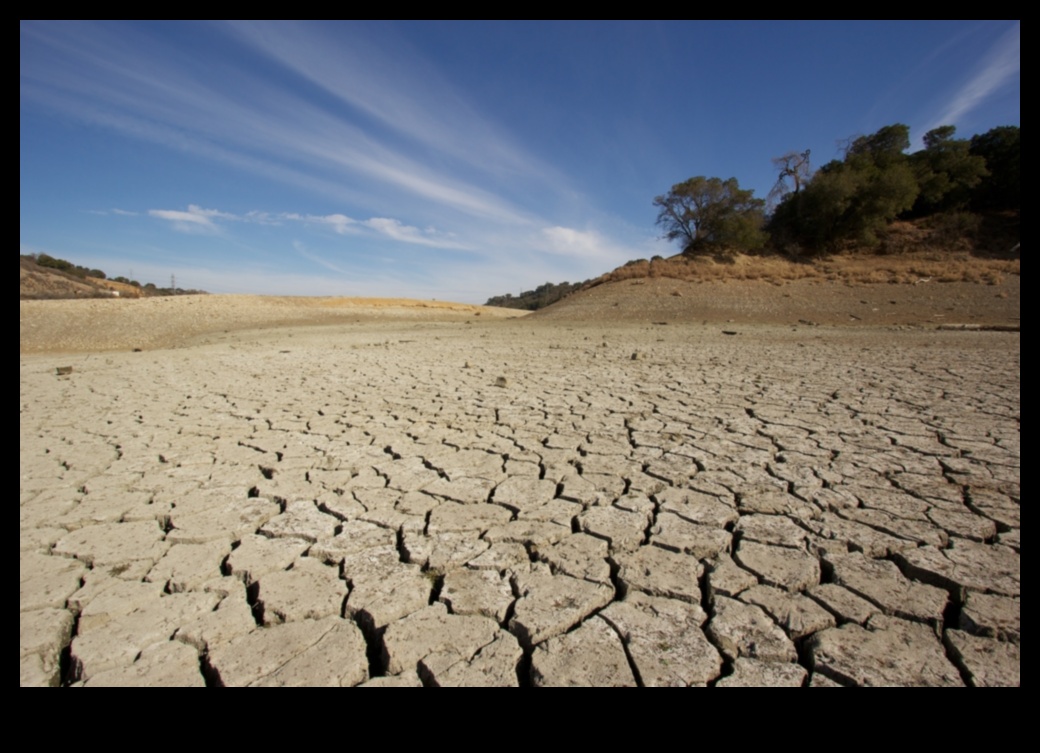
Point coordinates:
[(951, 247), (852, 269)]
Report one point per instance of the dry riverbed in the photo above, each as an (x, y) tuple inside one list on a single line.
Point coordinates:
[(384, 494)]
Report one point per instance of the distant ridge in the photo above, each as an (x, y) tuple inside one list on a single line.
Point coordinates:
[(45, 277)]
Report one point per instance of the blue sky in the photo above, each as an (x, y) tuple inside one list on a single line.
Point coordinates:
[(447, 160)]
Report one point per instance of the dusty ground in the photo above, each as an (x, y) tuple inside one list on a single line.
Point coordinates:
[(596, 494), (146, 323), (923, 305)]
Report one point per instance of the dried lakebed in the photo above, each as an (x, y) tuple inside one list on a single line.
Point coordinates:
[(517, 503)]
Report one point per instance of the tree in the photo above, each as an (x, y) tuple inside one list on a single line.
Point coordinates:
[(51, 262), (814, 217), (882, 148), (853, 199), (710, 212), (946, 172), (1001, 147), (793, 167)]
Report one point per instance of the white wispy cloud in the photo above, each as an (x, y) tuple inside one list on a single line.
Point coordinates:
[(199, 220), (998, 67), (395, 143), (106, 212), (195, 220), (303, 251), (338, 222), (498, 263), (379, 79), (398, 231), (261, 218), (584, 245), (123, 78)]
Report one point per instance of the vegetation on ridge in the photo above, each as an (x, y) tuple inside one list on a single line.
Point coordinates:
[(850, 202), (951, 209), (539, 298), (59, 278)]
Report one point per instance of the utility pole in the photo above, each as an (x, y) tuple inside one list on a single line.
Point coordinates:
[(173, 283)]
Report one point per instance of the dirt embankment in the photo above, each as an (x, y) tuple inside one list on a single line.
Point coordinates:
[(35, 282), (121, 324), (927, 303), (147, 323)]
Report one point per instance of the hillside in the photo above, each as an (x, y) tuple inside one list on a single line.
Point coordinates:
[(919, 288), (804, 302), (175, 321), (539, 298), (36, 282), (59, 279)]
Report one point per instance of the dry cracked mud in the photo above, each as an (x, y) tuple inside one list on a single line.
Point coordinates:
[(368, 503)]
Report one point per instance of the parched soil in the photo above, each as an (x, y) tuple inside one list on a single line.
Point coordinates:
[(738, 485)]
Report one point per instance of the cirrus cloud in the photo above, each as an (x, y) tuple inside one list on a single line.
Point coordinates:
[(195, 220)]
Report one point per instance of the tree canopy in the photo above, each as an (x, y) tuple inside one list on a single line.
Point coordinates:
[(793, 167), (883, 147), (851, 199), (946, 172), (704, 213), (849, 202), (1001, 147)]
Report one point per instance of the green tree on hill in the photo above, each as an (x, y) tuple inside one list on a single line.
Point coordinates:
[(703, 213), (946, 172), (1002, 149), (852, 199)]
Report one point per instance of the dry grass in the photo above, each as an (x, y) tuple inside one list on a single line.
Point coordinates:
[(943, 248), (852, 269)]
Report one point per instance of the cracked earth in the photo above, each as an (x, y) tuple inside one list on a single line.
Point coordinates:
[(522, 503)]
